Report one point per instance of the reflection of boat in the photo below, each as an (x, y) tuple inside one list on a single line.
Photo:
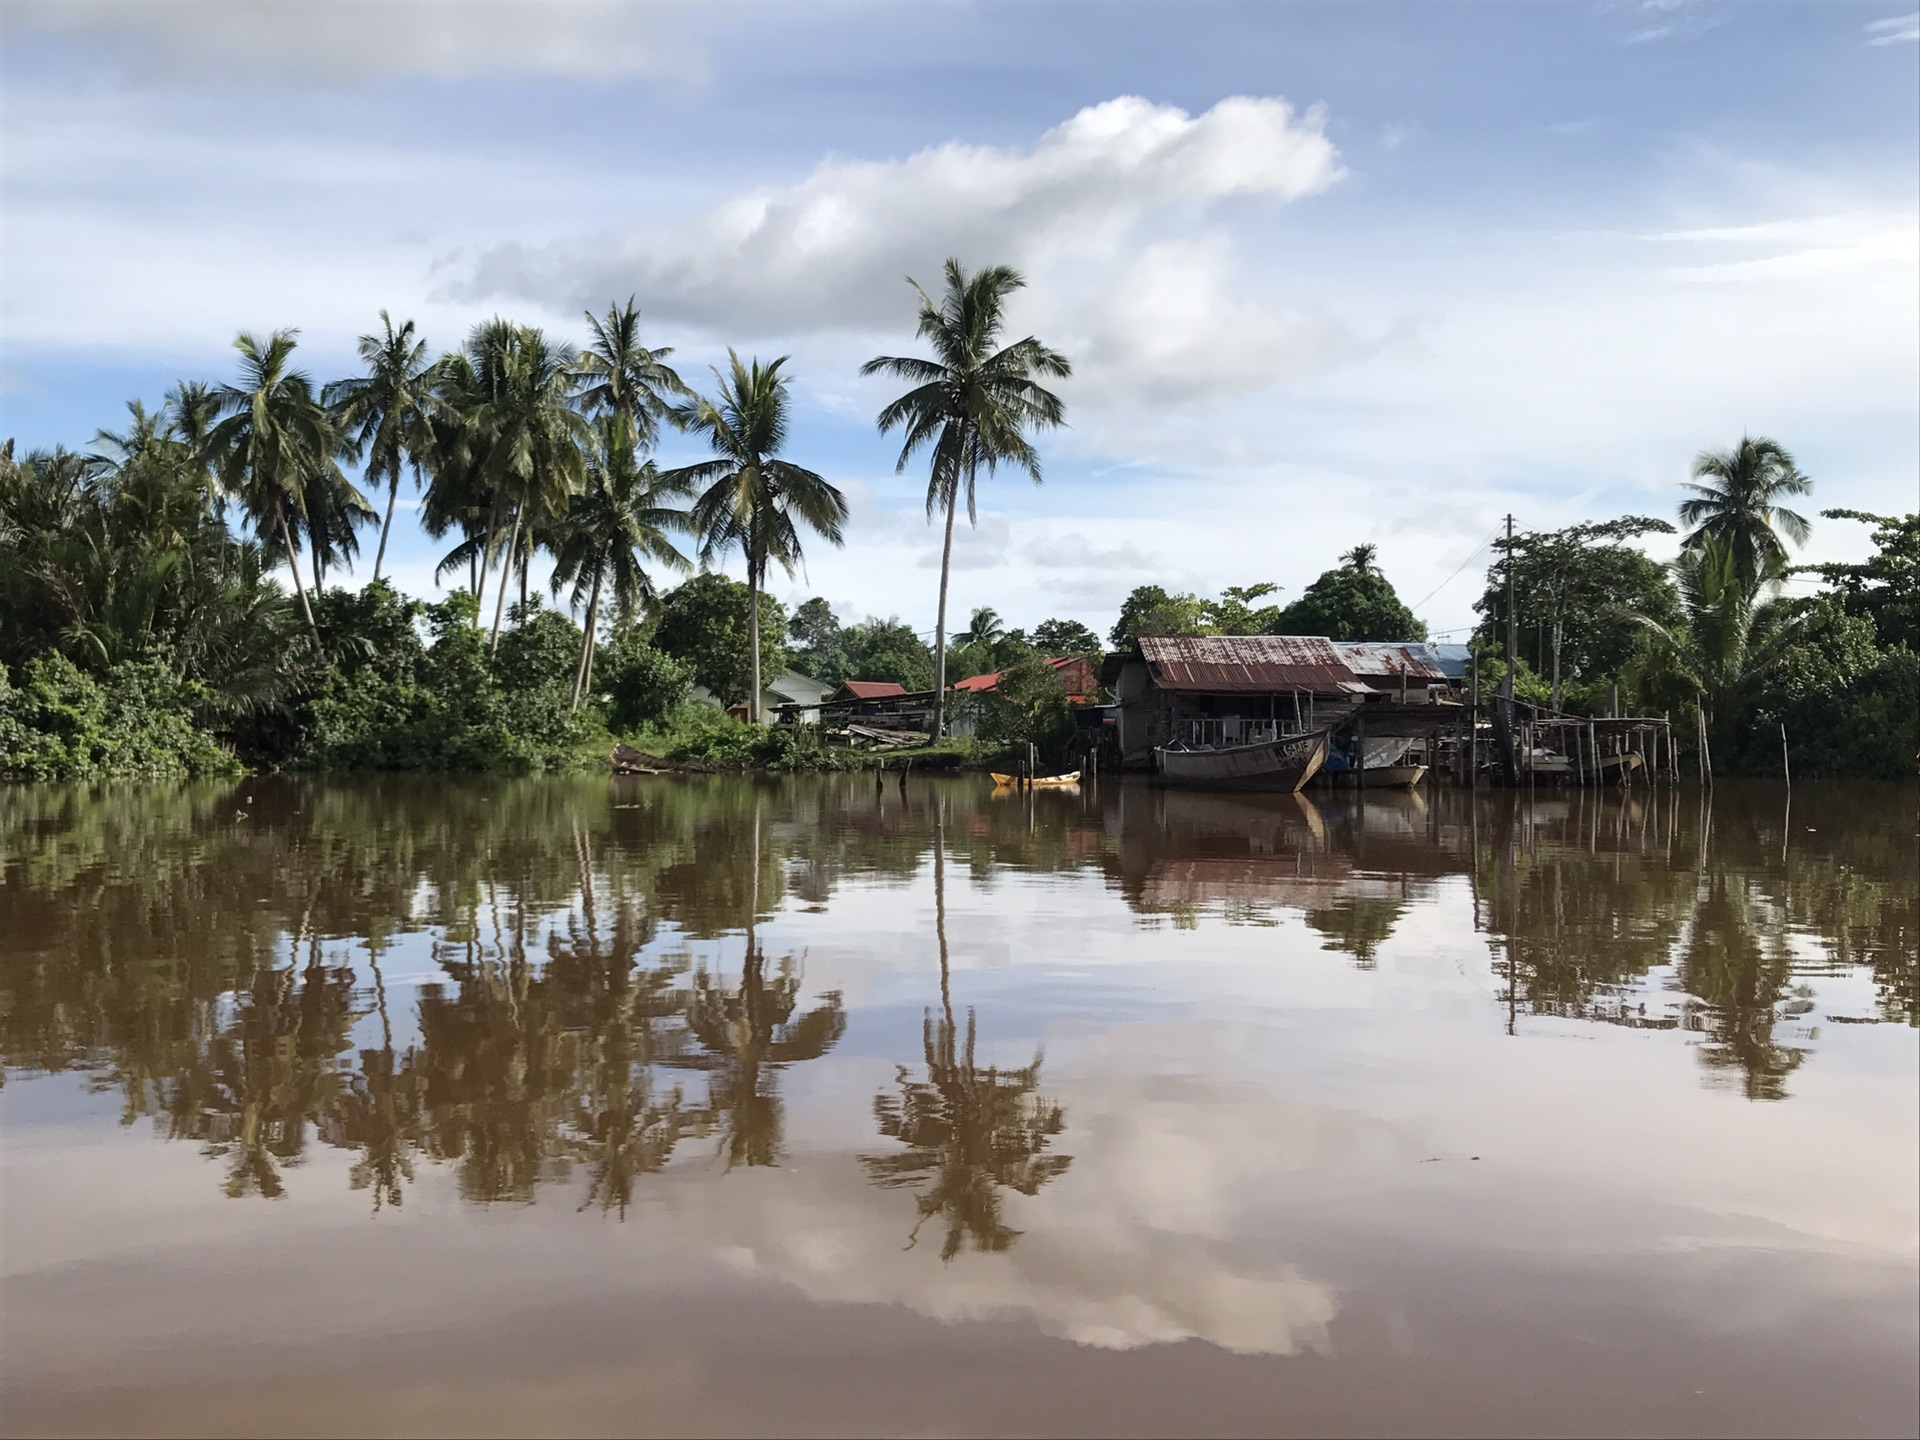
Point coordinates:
[(1283, 764), (1055, 782), (1386, 777)]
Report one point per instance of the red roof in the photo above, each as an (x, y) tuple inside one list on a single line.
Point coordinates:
[(1258, 664), (873, 689), (977, 684), (1074, 672)]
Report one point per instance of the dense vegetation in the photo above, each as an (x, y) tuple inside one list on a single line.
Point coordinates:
[(143, 631)]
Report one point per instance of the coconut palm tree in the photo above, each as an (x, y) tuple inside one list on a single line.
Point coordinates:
[(619, 521), (622, 378), (386, 411), (974, 404), (517, 442), (1739, 506), (335, 512), (984, 628), (753, 499), (1730, 636), (273, 442)]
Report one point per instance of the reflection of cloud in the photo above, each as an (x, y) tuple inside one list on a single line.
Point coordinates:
[(1125, 1249)]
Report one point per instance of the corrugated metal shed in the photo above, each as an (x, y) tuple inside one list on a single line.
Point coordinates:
[(1414, 659), (1256, 664)]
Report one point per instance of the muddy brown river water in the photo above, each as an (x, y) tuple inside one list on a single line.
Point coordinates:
[(804, 1107)]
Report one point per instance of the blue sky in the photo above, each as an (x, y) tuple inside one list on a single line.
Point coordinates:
[(1329, 273)]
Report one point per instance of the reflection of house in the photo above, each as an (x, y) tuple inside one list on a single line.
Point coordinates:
[(793, 695), (1240, 689)]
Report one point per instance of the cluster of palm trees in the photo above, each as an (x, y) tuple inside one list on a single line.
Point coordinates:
[(523, 444)]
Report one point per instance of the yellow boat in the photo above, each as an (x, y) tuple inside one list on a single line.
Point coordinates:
[(1007, 782)]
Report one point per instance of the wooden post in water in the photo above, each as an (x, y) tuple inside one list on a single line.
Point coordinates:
[(1786, 766)]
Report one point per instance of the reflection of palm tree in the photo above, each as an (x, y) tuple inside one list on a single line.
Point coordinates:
[(379, 1114), (746, 1035), (272, 1070), (1739, 979), (973, 1131)]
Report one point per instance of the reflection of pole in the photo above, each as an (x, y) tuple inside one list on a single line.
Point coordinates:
[(940, 907)]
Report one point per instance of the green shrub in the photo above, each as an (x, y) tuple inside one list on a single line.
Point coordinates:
[(642, 685), (135, 722)]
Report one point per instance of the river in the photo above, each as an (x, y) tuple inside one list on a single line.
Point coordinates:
[(753, 1106)]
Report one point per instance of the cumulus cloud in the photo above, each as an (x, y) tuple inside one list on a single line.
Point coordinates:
[(830, 251), (349, 40)]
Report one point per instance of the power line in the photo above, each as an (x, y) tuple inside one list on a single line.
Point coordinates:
[(1463, 565)]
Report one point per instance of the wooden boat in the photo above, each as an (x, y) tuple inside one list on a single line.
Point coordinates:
[(1007, 782), (1374, 777), (1284, 764), (625, 760)]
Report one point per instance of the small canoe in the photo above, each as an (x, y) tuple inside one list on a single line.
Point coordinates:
[(1007, 782)]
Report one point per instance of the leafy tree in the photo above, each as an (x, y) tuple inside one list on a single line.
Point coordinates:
[(1353, 602), (973, 405), (1027, 706), (704, 622), (1579, 590), (387, 411), (1234, 613), (754, 501), (1149, 610), (1885, 588), (273, 442), (643, 685), (1065, 637), (1739, 507), (815, 633), (885, 650)]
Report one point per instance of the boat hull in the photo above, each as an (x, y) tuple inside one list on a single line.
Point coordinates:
[(1274, 765)]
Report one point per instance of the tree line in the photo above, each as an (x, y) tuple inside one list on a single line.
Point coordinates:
[(142, 631)]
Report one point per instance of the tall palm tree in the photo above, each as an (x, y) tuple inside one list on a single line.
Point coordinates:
[(518, 441), (973, 403), (1740, 507), (617, 522), (753, 499), (273, 441), (622, 378), (387, 411), (335, 511)]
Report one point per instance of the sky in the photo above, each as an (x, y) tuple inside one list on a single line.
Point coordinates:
[(1327, 273)]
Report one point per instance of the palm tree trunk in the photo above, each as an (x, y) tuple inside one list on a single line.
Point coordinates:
[(293, 564), (506, 573), (319, 569), (753, 642), (940, 623), (393, 495), (586, 643)]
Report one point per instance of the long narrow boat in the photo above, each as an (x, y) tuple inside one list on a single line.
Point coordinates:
[(1039, 782), (1284, 764)]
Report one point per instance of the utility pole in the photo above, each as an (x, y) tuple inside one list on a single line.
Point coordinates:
[(1503, 708)]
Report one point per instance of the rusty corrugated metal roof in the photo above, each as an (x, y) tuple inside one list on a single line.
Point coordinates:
[(1225, 664), (1410, 658), (874, 689)]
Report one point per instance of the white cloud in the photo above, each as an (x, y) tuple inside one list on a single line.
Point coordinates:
[(1895, 30), (358, 40), (831, 251)]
